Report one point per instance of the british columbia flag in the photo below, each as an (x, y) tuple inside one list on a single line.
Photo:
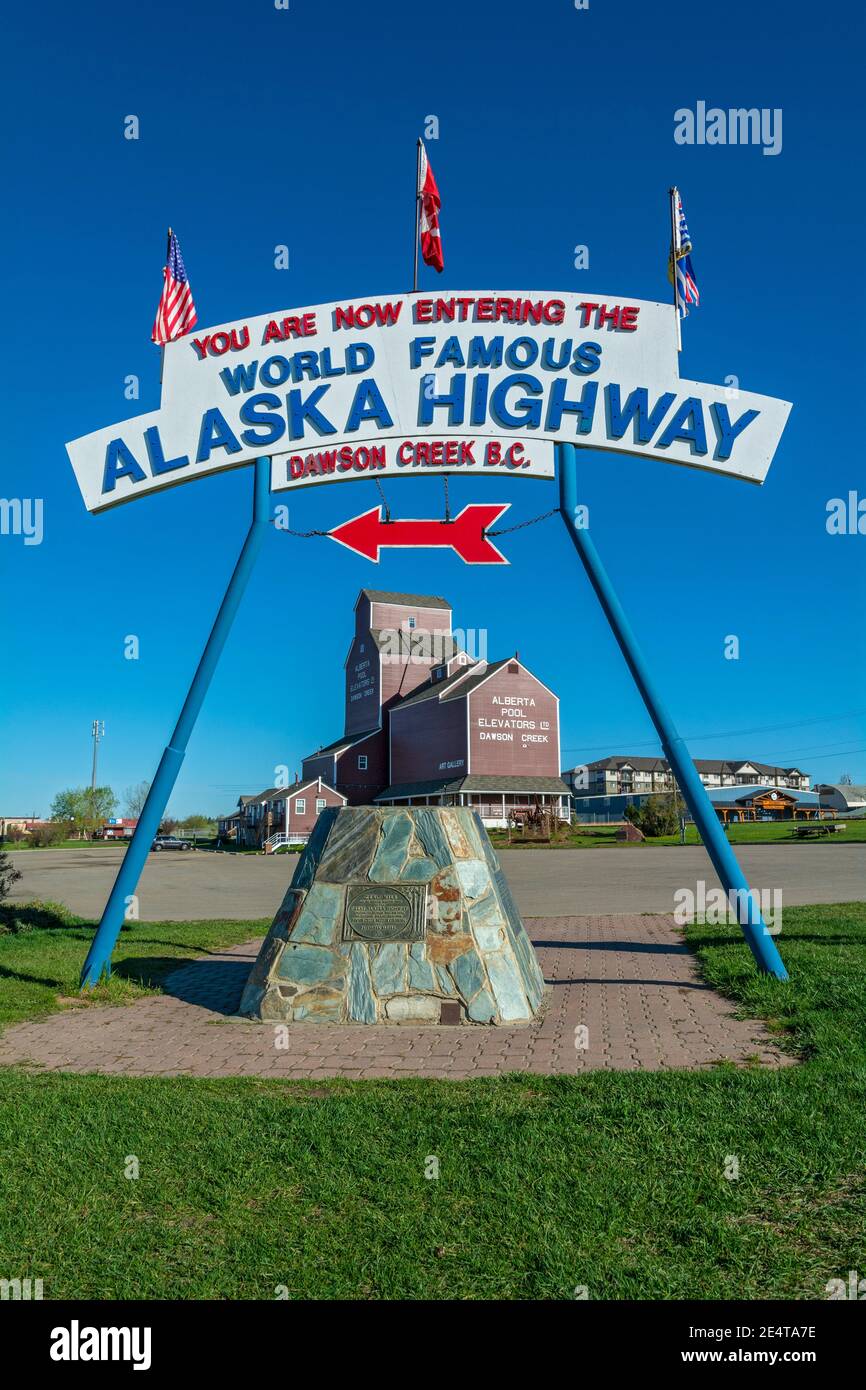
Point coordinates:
[(687, 285)]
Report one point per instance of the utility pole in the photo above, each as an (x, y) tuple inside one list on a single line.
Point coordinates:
[(97, 731)]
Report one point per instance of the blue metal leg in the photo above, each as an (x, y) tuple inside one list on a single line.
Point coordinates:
[(99, 956), (724, 861)]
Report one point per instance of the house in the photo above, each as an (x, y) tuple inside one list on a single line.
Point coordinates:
[(279, 815), (427, 723)]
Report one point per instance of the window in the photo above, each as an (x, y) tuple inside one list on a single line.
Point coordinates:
[(513, 668), (362, 762), (320, 805), (410, 623), (300, 805)]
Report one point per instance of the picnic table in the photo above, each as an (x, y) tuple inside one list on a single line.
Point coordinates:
[(808, 828)]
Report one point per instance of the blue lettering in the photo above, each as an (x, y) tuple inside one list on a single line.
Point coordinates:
[(215, 433), (242, 378), (695, 434), (368, 405), (120, 463), (301, 410), (636, 408), (455, 399), (584, 408), (158, 461), (726, 431), (273, 425), (529, 416)]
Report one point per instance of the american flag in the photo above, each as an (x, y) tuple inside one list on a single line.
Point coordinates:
[(687, 285), (176, 314), (428, 194)]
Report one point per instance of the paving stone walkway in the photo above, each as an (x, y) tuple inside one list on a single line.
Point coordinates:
[(628, 981)]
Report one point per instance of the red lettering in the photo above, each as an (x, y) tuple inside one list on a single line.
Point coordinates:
[(423, 310), (484, 310), (296, 465), (403, 457), (308, 325), (606, 315), (493, 453), (451, 451), (200, 345), (554, 311), (224, 343), (436, 452), (628, 317), (587, 308), (466, 455)]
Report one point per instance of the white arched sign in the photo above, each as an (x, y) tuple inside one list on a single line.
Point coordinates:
[(469, 382)]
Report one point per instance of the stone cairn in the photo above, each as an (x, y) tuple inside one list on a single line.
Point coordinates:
[(397, 916)]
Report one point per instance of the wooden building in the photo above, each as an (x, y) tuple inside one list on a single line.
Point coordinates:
[(279, 815), (426, 723)]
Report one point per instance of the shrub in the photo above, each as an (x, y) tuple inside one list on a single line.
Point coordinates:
[(54, 833), (9, 875), (657, 815)]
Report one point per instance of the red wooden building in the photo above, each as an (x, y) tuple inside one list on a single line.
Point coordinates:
[(426, 723)]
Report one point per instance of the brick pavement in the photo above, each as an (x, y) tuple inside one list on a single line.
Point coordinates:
[(628, 980)]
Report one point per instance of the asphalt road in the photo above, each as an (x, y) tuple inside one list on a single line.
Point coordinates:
[(546, 882)]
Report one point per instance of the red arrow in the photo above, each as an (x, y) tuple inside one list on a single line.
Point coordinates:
[(367, 533)]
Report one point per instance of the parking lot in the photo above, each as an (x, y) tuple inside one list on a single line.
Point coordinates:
[(545, 882)]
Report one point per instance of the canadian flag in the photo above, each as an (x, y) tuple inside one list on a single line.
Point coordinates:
[(430, 202)]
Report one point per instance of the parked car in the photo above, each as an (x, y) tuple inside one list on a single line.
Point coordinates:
[(169, 842)]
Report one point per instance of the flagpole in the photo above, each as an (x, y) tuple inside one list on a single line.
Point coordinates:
[(162, 345), (675, 242), (417, 216)]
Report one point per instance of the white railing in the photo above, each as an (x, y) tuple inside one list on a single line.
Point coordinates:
[(273, 842)]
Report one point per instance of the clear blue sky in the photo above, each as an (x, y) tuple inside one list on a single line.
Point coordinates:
[(261, 126)]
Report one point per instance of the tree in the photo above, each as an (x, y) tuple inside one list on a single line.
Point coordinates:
[(134, 799), (8, 875), (85, 807), (657, 815), (197, 822)]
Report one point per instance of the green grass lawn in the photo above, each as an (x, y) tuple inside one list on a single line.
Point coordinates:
[(612, 1181), (759, 833)]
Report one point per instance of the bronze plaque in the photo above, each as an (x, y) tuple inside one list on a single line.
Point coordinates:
[(385, 912)]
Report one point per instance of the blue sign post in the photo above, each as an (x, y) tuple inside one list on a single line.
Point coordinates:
[(724, 861), (99, 956)]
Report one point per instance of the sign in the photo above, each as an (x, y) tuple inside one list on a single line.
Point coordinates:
[(385, 914), (470, 382), (368, 533)]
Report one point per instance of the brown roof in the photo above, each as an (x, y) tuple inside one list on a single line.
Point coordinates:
[(493, 783), (345, 742), (413, 600)]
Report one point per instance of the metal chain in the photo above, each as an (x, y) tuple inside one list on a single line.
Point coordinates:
[(518, 526), (500, 531), (384, 503)]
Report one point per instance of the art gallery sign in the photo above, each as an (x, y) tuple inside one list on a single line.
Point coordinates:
[(472, 382)]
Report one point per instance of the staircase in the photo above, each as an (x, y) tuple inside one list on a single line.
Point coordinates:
[(281, 838)]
